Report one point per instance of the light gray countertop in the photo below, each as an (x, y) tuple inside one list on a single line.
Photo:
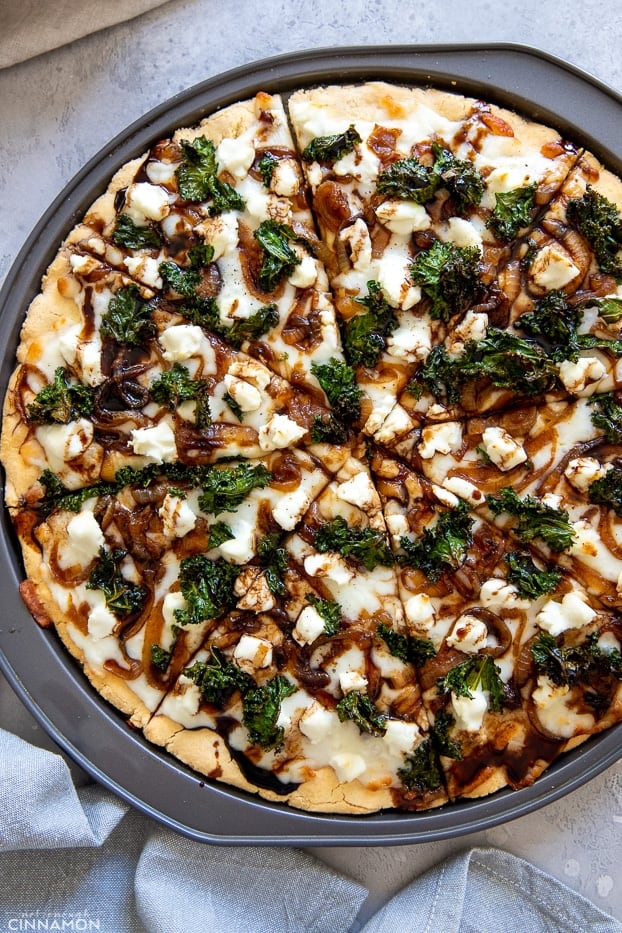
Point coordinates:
[(60, 108)]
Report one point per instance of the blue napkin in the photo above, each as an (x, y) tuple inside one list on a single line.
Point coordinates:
[(83, 860)]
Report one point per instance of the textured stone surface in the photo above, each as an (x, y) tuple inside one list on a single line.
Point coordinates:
[(57, 110)]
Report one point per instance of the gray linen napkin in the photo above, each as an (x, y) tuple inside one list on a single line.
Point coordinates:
[(82, 860), (30, 27)]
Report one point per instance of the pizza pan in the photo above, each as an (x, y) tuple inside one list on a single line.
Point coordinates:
[(48, 680)]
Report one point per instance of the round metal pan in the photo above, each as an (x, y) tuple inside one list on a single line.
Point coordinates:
[(47, 679)]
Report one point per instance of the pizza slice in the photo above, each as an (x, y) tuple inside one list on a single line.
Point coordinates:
[(319, 712), (549, 473), (134, 572), (216, 217), (418, 195), (127, 381), (491, 616)]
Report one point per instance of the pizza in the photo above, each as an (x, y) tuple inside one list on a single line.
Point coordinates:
[(312, 447)]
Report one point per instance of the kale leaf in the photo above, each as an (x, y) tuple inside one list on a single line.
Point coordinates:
[(160, 657), (409, 180), (225, 488), (513, 210), (364, 336), (123, 598), (421, 771), (608, 490), (535, 519), (218, 679), (197, 178), (58, 496), (567, 665), (599, 220), (127, 233), (504, 359), (338, 381), (273, 559), (329, 611), (609, 309), (128, 318), (364, 544), (459, 177), (442, 548), (609, 417), (358, 707), (330, 149), (207, 587), (449, 276), (279, 259), (262, 706), (266, 166), (176, 386), (219, 532), (528, 580), (406, 647), (327, 429), (555, 325), (61, 401), (443, 723), (476, 671), (250, 328)]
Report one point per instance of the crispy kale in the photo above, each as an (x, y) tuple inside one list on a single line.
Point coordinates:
[(225, 488), (61, 401), (364, 544), (443, 723), (409, 180), (599, 220), (250, 328), (608, 417), (528, 579), (218, 679), (442, 548), (506, 360), (327, 429), (273, 559), (219, 532), (330, 149), (406, 647), (262, 706), (160, 657), (207, 587), (339, 383), (554, 324), (197, 178), (186, 281), (123, 598), (567, 665), (128, 318), (608, 490), (176, 386), (279, 259), (459, 177), (477, 671), (513, 210), (329, 611), (359, 708), (235, 407), (421, 771), (58, 496), (266, 167), (535, 519), (127, 233), (609, 309), (364, 336), (449, 276)]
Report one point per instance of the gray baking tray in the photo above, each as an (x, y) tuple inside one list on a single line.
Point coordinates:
[(47, 679)]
